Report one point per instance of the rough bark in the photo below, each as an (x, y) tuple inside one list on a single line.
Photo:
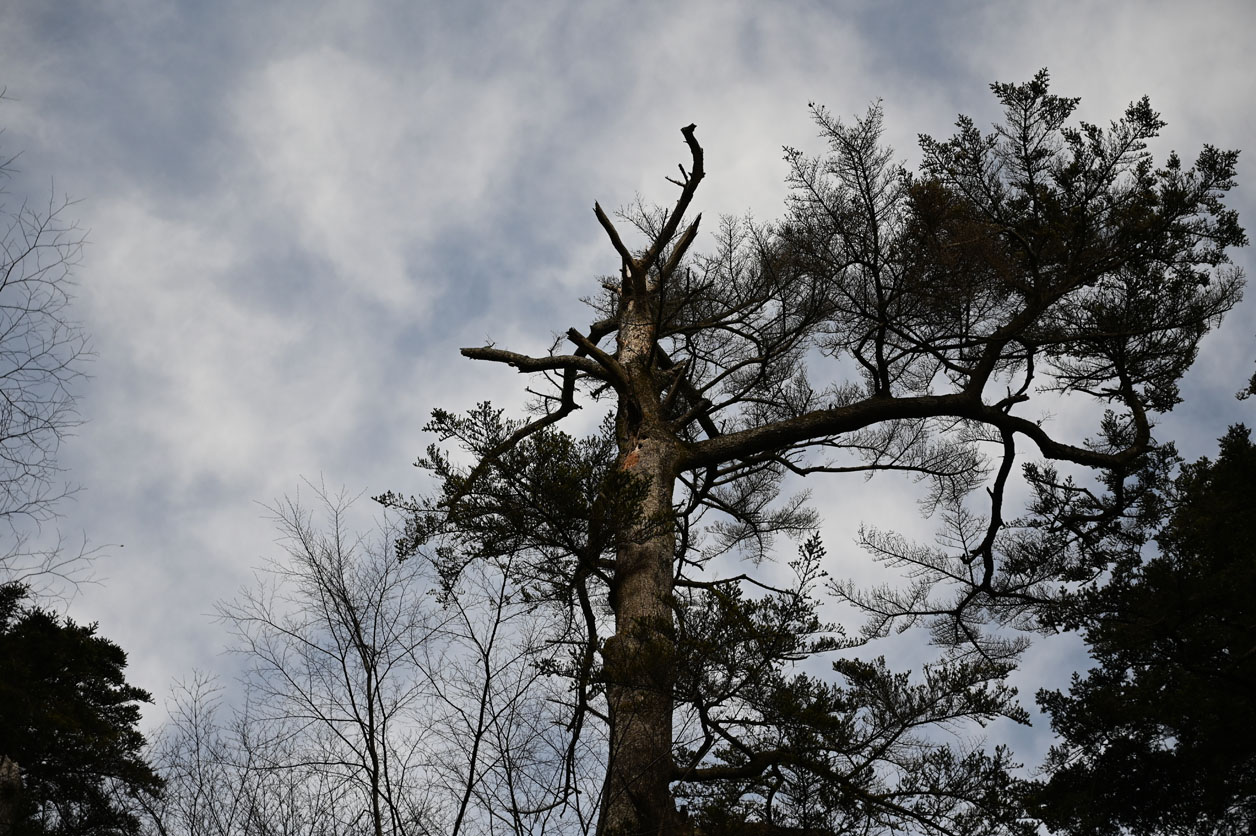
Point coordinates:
[(10, 793), (638, 659), (638, 667)]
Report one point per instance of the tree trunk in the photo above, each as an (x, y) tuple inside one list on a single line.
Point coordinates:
[(10, 794), (638, 659)]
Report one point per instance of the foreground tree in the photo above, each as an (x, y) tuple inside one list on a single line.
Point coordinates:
[(70, 724), (1041, 258), (1159, 738)]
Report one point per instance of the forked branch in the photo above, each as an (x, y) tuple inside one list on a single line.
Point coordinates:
[(635, 270)]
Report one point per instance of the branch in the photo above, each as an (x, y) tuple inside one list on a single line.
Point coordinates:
[(525, 364), (760, 762), (616, 241), (986, 547), (818, 425), (701, 408), (678, 252), (682, 203), (617, 376), (569, 364), (566, 406)]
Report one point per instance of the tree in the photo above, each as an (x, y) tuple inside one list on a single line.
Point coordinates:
[(42, 352), (1041, 259), (499, 753), (222, 777), (70, 724), (1158, 738), (378, 700), (331, 643)]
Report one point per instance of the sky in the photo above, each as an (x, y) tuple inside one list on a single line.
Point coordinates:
[(297, 212)]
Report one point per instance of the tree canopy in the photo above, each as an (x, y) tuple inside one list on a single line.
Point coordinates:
[(1158, 738), (891, 321), (68, 738), (70, 724)]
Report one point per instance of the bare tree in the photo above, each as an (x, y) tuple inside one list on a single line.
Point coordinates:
[(222, 779), (42, 353), (1042, 260), (499, 708), (377, 701), (331, 637)]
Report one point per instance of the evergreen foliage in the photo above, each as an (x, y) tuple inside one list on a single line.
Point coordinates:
[(917, 323), (70, 723), (892, 321), (1160, 737)]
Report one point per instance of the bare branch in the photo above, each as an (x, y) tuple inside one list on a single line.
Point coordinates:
[(664, 236), (629, 264), (526, 364), (614, 373)]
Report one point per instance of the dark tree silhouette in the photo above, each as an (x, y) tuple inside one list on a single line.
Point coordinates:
[(1159, 738), (70, 724), (891, 322)]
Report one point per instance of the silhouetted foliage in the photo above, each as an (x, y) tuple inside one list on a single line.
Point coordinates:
[(1160, 737), (70, 722)]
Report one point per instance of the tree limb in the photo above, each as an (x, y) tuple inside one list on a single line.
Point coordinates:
[(526, 364)]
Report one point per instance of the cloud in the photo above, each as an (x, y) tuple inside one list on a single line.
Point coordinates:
[(300, 211), (363, 171)]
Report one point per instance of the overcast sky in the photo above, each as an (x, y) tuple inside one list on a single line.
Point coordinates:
[(299, 211)]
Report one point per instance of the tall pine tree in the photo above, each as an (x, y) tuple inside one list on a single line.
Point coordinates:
[(891, 322)]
